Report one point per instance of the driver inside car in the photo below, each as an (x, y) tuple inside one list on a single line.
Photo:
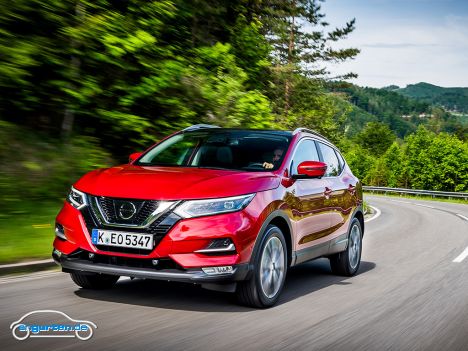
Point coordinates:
[(277, 154)]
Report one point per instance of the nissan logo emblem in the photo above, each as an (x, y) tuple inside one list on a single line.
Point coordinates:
[(127, 210)]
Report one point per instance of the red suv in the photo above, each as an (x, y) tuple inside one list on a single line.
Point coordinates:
[(229, 209)]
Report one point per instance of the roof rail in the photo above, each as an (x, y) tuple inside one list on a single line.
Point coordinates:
[(199, 126), (306, 130)]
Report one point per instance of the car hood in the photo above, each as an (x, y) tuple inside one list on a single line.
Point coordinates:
[(173, 183)]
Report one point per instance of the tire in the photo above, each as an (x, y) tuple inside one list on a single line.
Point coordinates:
[(347, 263), (270, 262), (94, 281)]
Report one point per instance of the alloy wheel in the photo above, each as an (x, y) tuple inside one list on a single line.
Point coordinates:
[(354, 246), (272, 267)]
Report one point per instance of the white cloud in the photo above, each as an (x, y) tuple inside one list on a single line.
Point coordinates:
[(404, 52)]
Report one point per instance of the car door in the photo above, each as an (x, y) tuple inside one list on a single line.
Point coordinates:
[(307, 200), (340, 199)]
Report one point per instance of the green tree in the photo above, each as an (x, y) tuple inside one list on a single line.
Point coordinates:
[(394, 160), (390, 169), (132, 71), (302, 43), (376, 137), (32, 61), (437, 162), (222, 93), (359, 160)]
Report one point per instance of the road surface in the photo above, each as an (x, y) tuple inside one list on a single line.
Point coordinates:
[(411, 293)]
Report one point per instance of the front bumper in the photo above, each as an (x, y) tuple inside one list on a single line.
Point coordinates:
[(197, 276), (181, 243)]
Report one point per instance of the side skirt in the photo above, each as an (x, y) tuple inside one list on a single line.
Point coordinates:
[(339, 244), (310, 253)]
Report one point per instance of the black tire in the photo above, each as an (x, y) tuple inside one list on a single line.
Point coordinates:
[(342, 262), (250, 292), (94, 281)]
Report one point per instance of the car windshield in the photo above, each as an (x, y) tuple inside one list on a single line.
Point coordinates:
[(226, 149)]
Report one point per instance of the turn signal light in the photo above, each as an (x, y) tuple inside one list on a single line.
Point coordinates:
[(221, 246)]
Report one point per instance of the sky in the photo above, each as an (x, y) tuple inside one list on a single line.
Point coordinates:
[(404, 41)]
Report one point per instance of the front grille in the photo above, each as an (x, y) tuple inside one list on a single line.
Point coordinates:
[(110, 208), (159, 228), (146, 210), (107, 206)]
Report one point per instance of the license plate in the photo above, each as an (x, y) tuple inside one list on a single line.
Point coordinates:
[(122, 239)]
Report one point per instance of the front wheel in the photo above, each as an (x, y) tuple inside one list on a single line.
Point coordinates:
[(270, 267), (94, 281), (347, 263)]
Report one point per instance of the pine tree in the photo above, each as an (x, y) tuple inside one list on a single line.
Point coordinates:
[(302, 44)]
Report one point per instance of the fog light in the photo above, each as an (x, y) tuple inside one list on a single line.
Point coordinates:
[(59, 231), (155, 262), (91, 256), (218, 270), (57, 253)]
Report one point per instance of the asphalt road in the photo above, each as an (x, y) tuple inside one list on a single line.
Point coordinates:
[(408, 295)]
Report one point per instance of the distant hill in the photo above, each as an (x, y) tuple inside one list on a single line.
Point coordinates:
[(451, 99), (401, 112)]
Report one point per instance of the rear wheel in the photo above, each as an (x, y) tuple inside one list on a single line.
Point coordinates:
[(347, 263), (94, 281), (270, 267)]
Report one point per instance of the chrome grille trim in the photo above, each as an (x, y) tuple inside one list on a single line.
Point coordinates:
[(163, 207)]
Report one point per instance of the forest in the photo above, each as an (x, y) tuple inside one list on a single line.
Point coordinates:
[(452, 99), (85, 83)]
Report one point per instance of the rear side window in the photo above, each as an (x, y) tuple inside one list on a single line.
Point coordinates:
[(306, 151), (329, 157), (341, 159)]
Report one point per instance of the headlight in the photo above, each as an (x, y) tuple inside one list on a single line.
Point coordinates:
[(198, 208), (76, 198)]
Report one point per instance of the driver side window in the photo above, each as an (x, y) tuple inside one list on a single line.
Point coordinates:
[(305, 151)]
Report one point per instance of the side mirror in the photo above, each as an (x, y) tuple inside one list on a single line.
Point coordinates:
[(311, 169), (134, 156)]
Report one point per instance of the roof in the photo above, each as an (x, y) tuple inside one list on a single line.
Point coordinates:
[(215, 129), (269, 131)]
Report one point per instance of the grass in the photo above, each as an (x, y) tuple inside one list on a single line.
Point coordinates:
[(426, 198), (366, 207), (27, 232)]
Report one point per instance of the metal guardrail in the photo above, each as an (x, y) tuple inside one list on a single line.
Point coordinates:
[(446, 194)]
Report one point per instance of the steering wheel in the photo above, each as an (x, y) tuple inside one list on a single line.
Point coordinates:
[(254, 165)]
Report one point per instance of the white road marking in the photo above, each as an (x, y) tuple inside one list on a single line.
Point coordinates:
[(377, 214), (461, 257), (414, 203), (427, 206), (27, 277), (403, 202)]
